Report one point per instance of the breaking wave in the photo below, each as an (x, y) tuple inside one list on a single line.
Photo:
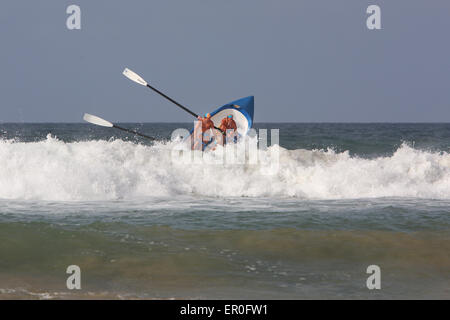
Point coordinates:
[(103, 170)]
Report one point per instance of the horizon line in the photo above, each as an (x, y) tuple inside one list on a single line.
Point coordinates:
[(281, 122)]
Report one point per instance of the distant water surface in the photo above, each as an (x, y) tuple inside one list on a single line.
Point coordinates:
[(345, 196)]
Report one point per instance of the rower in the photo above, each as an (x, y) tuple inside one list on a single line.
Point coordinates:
[(202, 130), (228, 127)]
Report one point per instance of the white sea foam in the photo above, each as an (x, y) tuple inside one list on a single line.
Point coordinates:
[(104, 170)]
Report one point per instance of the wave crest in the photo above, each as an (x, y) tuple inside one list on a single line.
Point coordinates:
[(105, 170)]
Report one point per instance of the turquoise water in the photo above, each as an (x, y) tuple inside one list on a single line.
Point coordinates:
[(345, 196)]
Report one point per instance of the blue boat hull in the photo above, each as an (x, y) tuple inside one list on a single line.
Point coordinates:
[(242, 111)]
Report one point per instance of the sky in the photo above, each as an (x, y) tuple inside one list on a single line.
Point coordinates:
[(303, 60)]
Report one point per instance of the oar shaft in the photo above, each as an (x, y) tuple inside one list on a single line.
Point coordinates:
[(178, 104), (136, 78), (133, 132), (173, 101)]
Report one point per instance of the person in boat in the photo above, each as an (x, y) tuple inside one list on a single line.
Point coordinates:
[(228, 128), (203, 131)]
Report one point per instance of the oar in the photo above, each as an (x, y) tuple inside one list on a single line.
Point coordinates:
[(102, 122), (138, 79)]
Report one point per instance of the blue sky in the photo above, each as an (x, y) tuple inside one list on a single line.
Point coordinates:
[(305, 61)]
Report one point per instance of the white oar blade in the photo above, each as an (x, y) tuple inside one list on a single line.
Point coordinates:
[(134, 76), (96, 120)]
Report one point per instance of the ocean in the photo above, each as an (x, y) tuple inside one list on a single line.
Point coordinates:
[(142, 226)]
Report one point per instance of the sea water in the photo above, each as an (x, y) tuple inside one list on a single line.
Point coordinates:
[(140, 225)]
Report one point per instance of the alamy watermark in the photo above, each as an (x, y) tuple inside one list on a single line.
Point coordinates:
[(74, 280), (215, 148), (73, 22), (374, 280), (373, 22)]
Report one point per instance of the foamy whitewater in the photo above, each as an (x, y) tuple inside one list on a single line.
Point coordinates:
[(303, 222), (105, 170)]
